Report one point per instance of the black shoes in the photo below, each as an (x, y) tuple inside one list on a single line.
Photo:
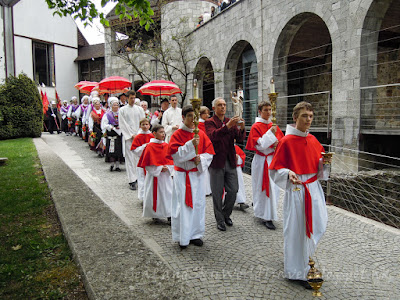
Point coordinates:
[(111, 168), (228, 222), (197, 242), (243, 206), (269, 225), (133, 185), (117, 169), (182, 247), (221, 227)]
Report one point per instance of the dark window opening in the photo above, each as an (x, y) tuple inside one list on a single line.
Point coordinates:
[(43, 58)]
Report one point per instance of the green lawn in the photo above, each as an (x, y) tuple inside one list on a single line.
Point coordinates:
[(35, 261)]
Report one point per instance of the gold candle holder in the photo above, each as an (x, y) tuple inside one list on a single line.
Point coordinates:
[(272, 98), (326, 157), (196, 103), (314, 278)]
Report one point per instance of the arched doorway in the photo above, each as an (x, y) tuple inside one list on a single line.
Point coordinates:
[(241, 72), (380, 80), (303, 71), (204, 73)]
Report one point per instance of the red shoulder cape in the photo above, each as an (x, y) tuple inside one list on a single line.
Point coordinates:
[(180, 137), (257, 131), (155, 155), (141, 139), (299, 154), (202, 126), (242, 155)]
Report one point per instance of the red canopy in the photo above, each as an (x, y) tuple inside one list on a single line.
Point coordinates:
[(88, 87), (81, 83), (114, 84), (159, 88)]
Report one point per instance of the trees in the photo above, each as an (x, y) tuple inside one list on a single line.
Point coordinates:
[(167, 43), (87, 11)]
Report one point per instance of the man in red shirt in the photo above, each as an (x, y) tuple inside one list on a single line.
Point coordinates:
[(222, 132)]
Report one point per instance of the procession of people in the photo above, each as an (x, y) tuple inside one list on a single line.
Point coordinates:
[(174, 170)]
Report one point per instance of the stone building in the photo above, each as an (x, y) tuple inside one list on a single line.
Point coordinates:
[(340, 55)]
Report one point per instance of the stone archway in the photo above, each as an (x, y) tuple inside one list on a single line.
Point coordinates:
[(204, 73), (380, 66), (241, 72), (303, 69)]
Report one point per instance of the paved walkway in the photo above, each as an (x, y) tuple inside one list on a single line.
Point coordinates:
[(359, 258)]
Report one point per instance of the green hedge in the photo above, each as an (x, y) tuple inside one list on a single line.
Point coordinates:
[(21, 109)]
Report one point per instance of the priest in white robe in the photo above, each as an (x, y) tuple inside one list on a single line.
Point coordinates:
[(130, 116), (171, 118)]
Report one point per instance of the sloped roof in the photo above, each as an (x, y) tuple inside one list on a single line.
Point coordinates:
[(91, 51), (82, 42)]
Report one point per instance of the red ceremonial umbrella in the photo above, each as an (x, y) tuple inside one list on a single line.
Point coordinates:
[(81, 83), (114, 84), (159, 88), (88, 87)]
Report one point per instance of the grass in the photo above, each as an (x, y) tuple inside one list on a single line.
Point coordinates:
[(35, 261)]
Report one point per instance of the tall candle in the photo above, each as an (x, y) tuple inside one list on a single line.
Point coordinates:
[(272, 87), (195, 89)]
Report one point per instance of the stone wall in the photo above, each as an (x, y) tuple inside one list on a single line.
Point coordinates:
[(269, 26)]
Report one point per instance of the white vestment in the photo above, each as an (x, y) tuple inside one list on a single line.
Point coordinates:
[(140, 171), (164, 190), (297, 246), (129, 118), (241, 194), (171, 117), (264, 207), (188, 223)]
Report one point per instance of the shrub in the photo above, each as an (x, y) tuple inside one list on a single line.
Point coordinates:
[(21, 109)]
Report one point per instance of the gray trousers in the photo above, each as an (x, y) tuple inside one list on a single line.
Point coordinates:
[(220, 179)]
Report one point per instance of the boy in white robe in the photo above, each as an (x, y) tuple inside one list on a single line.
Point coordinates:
[(296, 167), (188, 197), (158, 181), (241, 194), (263, 139), (139, 143)]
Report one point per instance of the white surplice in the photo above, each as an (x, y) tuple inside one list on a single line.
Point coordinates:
[(188, 223), (297, 246), (164, 190), (171, 117), (129, 119), (241, 194), (140, 171), (264, 207)]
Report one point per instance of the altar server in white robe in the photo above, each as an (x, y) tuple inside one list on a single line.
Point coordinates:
[(171, 118), (204, 115), (138, 145), (188, 197), (241, 194), (297, 167), (263, 139), (158, 181), (130, 116)]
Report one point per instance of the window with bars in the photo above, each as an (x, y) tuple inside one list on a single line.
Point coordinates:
[(43, 63)]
